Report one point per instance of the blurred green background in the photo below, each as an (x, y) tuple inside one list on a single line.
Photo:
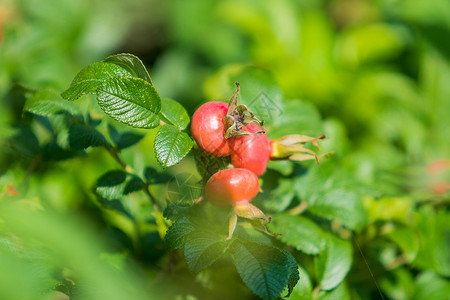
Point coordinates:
[(374, 76)]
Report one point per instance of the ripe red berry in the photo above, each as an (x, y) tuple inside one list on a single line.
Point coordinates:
[(231, 187), (251, 152), (208, 128)]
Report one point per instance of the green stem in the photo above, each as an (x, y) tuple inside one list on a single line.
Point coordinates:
[(156, 206), (115, 154), (152, 198)]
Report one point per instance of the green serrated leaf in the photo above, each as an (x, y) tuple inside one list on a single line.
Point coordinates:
[(124, 139), (131, 101), (299, 232), (173, 112), (177, 211), (341, 292), (334, 262), (203, 248), (116, 184), (53, 152), (280, 197), (48, 103), (171, 145), (246, 233), (82, 136), (177, 233), (341, 205), (92, 77), (333, 194), (134, 184), (113, 133), (152, 176), (294, 275), (110, 185), (265, 270), (128, 139), (132, 64), (304, 288), (116, 205)]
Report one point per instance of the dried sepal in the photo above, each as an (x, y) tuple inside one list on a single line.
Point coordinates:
[(238, 116), (249, 211), (260, 226), (232, 222), (292, 147)]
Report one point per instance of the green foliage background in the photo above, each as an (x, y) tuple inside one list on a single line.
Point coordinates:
[(368, 222)]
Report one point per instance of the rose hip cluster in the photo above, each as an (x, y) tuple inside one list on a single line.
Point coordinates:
[(251, 151), (229, 129)]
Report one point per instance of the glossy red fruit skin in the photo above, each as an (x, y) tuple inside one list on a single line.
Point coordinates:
[(232, 186), (208, 129), (251, 152)]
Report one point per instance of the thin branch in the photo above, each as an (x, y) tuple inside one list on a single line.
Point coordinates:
[(115, 154), (155, 203)]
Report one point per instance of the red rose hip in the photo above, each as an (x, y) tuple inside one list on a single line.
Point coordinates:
[(232, 187), (208, 128), (251, 152)]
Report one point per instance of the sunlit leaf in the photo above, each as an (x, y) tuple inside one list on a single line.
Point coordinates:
[(132, 101), (173, 112), (344, 206), (279, 198), (264, 269), (171, 145), (178, 232), (334, 262), (92, 77), (48, 103), (299, 232), (116, 184), (132, 64), (203, 248), (341, 292)]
